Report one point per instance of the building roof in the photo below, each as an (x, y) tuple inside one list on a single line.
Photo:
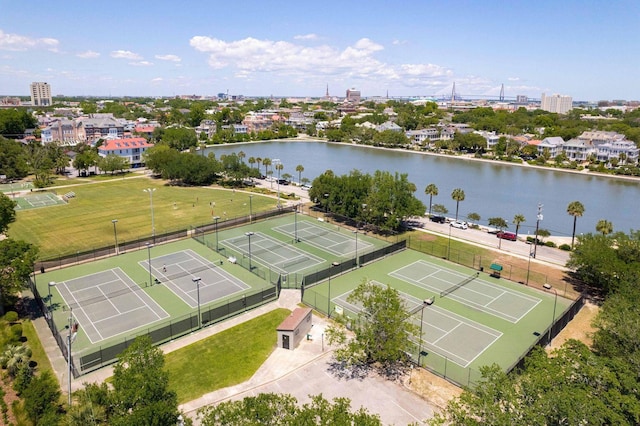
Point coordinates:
[(114, 144), (294, 320)]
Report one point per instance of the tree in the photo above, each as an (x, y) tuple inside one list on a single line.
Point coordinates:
[(41, 399), (16, 265), (299, 169), (140, 387), (575, 209), (457, 195), (180, 138), (604, 226), (382, 334), (431, 190), (499, 223), (266, 162), (475, 217), (7, 212), (517, 220), (113, 163), (440, 209), (13, 162), (282, 409)]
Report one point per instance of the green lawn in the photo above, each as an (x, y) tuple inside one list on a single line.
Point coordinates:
[(86, 222), (37, 351), (225, 359)]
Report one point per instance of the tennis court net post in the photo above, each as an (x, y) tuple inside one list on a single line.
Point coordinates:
[(460, 284)]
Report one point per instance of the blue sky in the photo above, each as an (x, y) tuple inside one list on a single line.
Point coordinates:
[(587, 49)]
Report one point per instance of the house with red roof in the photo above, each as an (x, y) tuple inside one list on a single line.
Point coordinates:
[(129, 148)]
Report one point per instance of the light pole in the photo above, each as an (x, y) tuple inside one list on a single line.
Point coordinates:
[(538, 220), (215, 220), (528, 266), (153, 226), (425, 303), (115, 233), (449, 247), (197, 281), (356, 232), (249, 234), (333, 264), (547, 286), (295, 224), (250, 208), (149, 261), (276, 163), (51, 284), (70, 339)]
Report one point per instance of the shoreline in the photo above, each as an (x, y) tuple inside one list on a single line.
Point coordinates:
[(468, 157)]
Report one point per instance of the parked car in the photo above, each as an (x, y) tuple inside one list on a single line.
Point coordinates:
[(438, 219), (507, 235), (459, 224)]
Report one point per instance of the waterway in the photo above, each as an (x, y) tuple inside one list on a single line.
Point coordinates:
[(491, 189)]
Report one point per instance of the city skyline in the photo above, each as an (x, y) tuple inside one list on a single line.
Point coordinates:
[(297, 49)]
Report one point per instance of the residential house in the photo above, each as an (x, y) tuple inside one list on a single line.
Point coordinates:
[(423, 136), (553, 144), (60, 130), (130, 148), (491, 138), (578, 149), (389, 125), (623, 150), (98, 126)]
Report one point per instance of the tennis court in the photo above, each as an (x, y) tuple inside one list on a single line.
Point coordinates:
[(177, 271), (272, 253), (459, 339), (470, 290), (109, 303), (332, 242), (37, 200)]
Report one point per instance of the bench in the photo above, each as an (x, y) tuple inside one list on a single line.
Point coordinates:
[(495, 270)]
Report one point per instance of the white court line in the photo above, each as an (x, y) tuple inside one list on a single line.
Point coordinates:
[(135, 292), (86, 316), (447, 334), (107, 298)]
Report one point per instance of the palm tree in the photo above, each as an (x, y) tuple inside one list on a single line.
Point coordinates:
[(259, 161), (266, 162), (517, 220), (457, 195), (575, 209), (241, 156), (431, 190), (604, 226), (299, 169), (251, 161)]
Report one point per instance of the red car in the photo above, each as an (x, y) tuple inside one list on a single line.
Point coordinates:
[(507, 235)]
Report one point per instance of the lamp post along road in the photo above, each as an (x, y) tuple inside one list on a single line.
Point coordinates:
[(538, 220), (197, 281), (356, 232), (276, 163), (153, 225), (250, 209), (115, 234), (51, 284)]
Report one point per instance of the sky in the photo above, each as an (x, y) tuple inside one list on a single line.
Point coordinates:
[(586, 49)]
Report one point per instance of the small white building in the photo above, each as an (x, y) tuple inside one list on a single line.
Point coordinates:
[(294, 328)]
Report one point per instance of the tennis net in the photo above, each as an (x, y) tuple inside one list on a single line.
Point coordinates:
[(185, 273), (460, 284)]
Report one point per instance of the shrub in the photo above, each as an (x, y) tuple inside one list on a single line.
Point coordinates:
[(550, 244), (10, 316), (16, 332), (565, 247)]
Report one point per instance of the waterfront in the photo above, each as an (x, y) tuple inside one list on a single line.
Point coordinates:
[(492, 189)]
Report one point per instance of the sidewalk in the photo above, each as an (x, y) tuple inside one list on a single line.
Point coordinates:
[(288, 299)]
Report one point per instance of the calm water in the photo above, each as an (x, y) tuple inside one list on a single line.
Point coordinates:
[(491, 189)]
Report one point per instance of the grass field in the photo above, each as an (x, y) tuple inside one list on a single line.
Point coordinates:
[(225, 359), (85, 223)]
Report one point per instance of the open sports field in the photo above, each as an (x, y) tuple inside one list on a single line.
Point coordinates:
[(86, 221), (474, 320)]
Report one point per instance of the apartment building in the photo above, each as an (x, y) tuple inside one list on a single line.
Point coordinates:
[(560, 104), (41, 94), (129, 148)]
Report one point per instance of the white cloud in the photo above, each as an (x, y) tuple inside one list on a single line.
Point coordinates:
[(172, 58), (89, 54), (354, 64), (125, 54), (157, 80), (397, 42), (513, 78), (306, 37), (18, 42), (141, 63)]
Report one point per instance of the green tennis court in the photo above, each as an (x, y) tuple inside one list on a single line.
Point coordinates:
[(459, 339), (471, 290), (324, 238), (178, 270), (36, 200), (268, 251), (108, 303)]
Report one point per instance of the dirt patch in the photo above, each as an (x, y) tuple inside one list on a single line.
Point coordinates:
[(9, 397), (580, 327)]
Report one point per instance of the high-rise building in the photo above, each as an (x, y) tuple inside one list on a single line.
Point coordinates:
[(560, 104), (353, 96), (41, 94), (522, 99)]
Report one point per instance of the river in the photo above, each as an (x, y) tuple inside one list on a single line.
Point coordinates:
[(491, 189)]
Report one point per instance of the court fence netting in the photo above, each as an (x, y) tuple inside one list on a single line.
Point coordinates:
[(160, 237), (98, 356), (441, 364)]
